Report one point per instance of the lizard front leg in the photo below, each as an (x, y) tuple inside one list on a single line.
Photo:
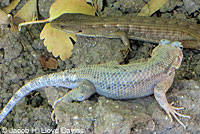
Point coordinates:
[(81, 93), (159, 92), (124, 38)]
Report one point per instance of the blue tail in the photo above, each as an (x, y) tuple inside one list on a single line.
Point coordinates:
[(61, 79)]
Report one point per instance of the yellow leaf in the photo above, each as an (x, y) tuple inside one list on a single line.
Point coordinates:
[(28, 11), (151, 7), (57, 41), (60, 7), (12, 6), (3, 17)]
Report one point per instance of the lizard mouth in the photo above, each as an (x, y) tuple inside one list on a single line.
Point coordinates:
[(178, 60)]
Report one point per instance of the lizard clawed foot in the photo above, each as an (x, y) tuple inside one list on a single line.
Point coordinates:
[(125, 51), (171, 110), (53, 117)]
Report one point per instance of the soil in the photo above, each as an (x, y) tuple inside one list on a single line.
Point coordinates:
[(19, 63)]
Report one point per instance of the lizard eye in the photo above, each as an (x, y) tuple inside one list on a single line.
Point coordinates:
[(181, 47), (80, 31), (177, 44)]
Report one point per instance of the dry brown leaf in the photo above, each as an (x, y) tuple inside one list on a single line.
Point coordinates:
[(3, 17), (48, 62), (151, 7), (57, 41), (12, 6), (14, 23)]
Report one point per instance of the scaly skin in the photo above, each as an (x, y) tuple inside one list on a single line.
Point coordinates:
[(115, 81)]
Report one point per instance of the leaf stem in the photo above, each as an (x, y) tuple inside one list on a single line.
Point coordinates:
[(32, 22)]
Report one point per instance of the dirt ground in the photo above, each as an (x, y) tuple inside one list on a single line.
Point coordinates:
[(19, 63)]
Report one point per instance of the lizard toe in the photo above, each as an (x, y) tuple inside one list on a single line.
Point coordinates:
[(172, 111), (176, 108), (53, 117), (56, 102)]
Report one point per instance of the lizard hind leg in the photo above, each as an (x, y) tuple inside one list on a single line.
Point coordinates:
[(80, 93)]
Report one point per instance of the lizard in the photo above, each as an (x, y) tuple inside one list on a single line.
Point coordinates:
[(115, 81), (149, 29)]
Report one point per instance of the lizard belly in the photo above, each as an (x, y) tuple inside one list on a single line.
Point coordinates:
[(125, 89)]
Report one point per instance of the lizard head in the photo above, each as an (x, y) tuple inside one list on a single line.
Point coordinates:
[(74, 23), (173, 51), (67, 22)]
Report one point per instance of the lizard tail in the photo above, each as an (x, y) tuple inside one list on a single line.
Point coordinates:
[(55, 79)]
